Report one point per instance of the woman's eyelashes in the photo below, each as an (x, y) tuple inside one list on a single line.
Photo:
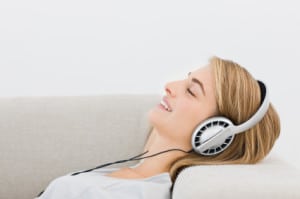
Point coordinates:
[(191, 92)]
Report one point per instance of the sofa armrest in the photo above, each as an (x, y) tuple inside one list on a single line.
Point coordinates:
[(270, 179)]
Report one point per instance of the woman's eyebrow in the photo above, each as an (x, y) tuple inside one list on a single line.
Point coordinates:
[(198, 82)]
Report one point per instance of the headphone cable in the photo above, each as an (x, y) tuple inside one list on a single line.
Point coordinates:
[(137, 157)]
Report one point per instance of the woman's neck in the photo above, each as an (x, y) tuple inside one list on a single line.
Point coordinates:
[(160, 163)]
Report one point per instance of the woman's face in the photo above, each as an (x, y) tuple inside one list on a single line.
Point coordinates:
[(191, 100)]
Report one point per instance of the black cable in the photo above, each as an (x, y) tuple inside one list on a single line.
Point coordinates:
[(107, 164), (130, 159), (164, 152)]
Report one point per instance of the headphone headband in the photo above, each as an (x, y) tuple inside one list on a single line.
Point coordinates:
[(265, 102)]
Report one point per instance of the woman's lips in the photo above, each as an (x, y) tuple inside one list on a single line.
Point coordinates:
[(162, 107), (166, 101)]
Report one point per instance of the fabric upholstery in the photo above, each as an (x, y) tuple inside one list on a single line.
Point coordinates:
[(42, 138), (270, 179)]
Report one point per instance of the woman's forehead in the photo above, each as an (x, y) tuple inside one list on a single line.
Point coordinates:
[(202, 72), (205, 75)]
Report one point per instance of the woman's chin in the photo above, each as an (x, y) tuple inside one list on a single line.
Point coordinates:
[(155, 117)]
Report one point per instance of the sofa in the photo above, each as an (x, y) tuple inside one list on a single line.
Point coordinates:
[(44, 137)]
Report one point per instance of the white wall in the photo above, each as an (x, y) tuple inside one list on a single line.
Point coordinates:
[(73, 47)]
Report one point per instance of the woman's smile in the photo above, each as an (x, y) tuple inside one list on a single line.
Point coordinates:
[(165, 104)]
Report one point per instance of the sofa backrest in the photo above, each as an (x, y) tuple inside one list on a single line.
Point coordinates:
[(42, 138)]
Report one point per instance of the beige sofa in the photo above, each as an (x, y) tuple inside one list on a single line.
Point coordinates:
[(42, 138)]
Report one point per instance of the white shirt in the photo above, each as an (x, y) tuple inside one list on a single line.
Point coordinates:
[(96, 185)]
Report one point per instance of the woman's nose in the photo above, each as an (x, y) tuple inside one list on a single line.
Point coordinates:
[(170, 88)]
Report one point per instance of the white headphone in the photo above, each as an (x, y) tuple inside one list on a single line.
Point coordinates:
[(214, 135)]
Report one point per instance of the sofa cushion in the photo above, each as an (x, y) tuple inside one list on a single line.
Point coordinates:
[(272, 178)]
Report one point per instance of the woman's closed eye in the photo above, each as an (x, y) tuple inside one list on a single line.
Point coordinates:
[(191, 92)]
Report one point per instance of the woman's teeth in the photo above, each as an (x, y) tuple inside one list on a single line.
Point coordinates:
[(165, 105)]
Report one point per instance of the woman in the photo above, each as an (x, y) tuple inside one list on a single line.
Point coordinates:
[(222, 88)]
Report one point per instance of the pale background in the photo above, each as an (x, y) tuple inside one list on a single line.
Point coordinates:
[(61, 47)]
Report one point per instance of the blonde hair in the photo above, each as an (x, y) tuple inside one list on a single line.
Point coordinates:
[(238, 98)]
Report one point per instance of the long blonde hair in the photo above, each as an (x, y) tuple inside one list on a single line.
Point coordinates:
[(238, 98)]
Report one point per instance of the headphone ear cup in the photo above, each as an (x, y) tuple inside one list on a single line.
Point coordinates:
[(206, 131)]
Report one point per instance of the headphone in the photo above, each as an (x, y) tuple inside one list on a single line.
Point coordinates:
[(215, 134)]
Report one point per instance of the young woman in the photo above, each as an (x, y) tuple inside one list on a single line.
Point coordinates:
[(221, 88)]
